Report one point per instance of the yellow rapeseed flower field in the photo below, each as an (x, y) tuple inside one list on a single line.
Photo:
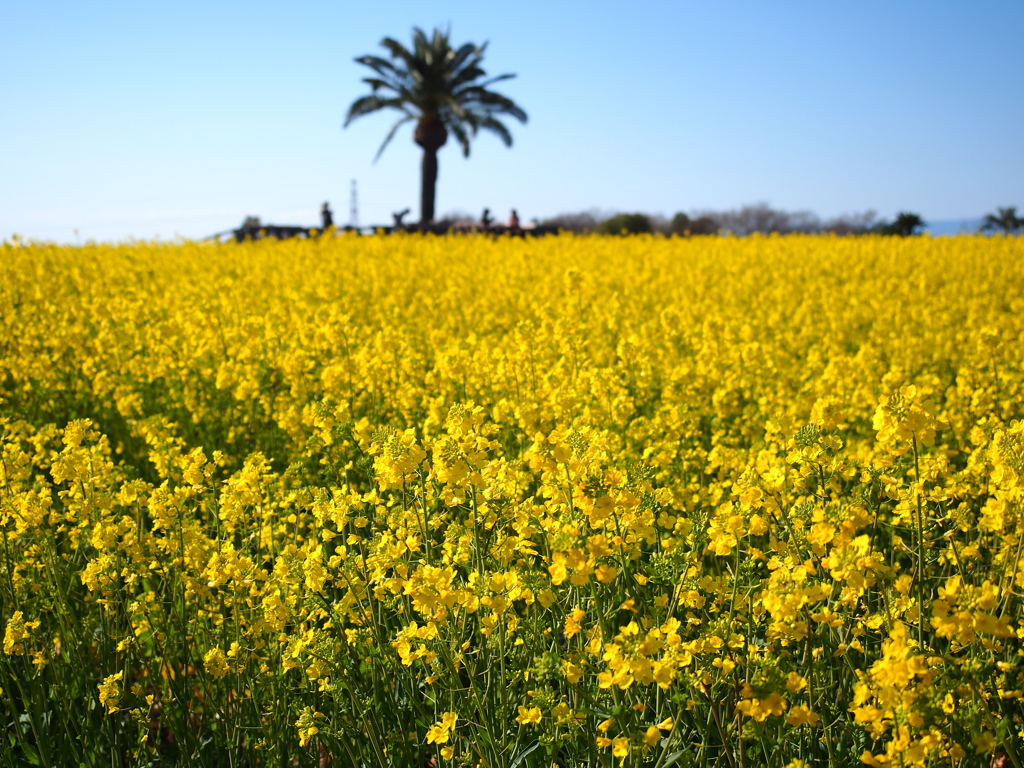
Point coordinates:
[(568, 501)]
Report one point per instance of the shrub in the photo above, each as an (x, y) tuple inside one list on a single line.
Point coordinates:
[(625, 223)]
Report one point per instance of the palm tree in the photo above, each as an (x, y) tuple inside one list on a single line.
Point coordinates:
[(906, 224), (1004, 219), (442, 90)]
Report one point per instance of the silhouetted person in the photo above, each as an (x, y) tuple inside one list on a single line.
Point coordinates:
[(398, 216), (513, 220), (486, 219), (326, 216)]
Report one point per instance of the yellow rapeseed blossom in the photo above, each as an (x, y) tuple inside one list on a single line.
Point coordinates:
[(216, 662), (441, 731), (17, 632), (529, 715), (110, 691)]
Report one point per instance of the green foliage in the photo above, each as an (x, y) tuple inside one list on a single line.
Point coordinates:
[(682, 224), (1004, 220), (625, 224), (905, 225)]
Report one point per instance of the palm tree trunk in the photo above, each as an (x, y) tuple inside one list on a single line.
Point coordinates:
[(428, 186)]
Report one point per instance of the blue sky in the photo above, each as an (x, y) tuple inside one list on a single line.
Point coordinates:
[(128, 119)]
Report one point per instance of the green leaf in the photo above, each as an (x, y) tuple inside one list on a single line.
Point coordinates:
[(523, 755), (31, 754)]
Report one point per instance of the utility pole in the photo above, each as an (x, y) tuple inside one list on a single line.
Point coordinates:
[(353, 207)]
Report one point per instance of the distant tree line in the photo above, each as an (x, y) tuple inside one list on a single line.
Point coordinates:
[(747, 220), (761, 218)]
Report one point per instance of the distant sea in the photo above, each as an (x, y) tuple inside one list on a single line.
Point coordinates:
[(952, 226)]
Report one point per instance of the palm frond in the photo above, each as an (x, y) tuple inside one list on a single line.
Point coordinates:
[(440, 42), (460, 135), (391, 134), (382, 67), (460, 56), (498, 79), (377, 84), (498, 128), (367, 105), (489, 102), (399, 52), (470, 73)]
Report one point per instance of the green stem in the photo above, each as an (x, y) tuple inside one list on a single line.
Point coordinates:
[(920, 548)]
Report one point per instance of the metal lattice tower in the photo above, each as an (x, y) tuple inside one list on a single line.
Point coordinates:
[(353, 207)]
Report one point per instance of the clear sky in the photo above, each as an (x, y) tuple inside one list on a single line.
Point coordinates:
[(136, 119)]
